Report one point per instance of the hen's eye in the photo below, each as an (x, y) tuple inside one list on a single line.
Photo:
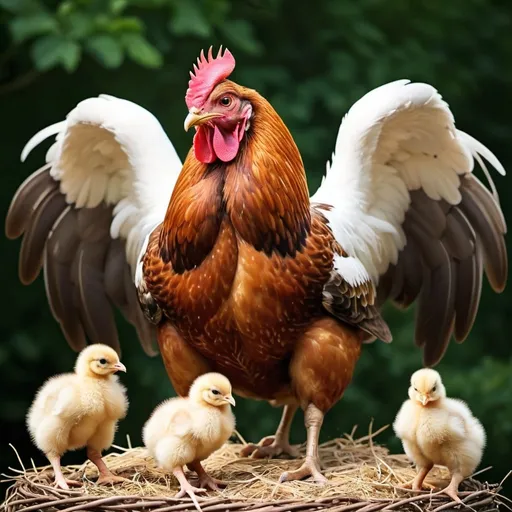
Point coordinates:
[(103, 361), (215, 392), (225, 101)]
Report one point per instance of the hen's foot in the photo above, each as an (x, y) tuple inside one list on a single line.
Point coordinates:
[(208, 482), (310, 467), (66, 483), (269, 447)]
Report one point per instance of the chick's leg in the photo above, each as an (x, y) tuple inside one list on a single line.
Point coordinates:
[(60, 480), (453, 488), (106, 476), (311, 466), (417, 483), (321, 368), (186, 487), (273, 446), (205, 480)]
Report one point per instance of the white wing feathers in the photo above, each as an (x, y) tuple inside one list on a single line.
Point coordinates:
[(114, 151), (398, 138), (86, 214)]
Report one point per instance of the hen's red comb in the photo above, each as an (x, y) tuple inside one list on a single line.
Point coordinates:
[(207, 74)]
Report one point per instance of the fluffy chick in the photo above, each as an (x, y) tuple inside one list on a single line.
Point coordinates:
[(185, 431), (439, 430), (74, 410)]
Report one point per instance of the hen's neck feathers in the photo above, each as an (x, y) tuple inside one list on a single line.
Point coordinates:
[(263, 192)]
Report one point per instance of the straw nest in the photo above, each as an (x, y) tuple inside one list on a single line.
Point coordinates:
[(363, 477)]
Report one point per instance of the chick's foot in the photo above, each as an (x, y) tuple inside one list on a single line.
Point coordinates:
[(66, 483), (208, 482), (268, 447), (109, 478), (205, 480), (453, 489), (310, 467), (187, 488)]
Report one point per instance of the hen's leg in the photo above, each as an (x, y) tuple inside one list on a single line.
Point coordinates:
[(453, 489), (182, 362), (186, 487), (314, 418), (321, 369), (106, 476), (273, 446), (205, 480), (60, 480)]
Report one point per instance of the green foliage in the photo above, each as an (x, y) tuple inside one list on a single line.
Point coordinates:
[(312, 60)]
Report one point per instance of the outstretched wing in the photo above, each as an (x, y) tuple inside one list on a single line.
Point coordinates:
[(406, 205), (84, 216)]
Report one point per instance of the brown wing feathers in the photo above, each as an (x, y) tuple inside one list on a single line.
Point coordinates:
[(84, 269), (441, 265)]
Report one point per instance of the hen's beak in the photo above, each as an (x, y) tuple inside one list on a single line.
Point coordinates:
[(196, 118), (230, 399), (120, 367)]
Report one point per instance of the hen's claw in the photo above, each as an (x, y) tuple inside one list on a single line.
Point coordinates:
[(310, 467), (270, 447)]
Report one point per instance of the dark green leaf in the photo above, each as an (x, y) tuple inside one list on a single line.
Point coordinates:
[(188, 19), (70, 56), (126, 24), (49, 51), (25, 27), (141, 51), (79, 25), (240, 33), (21, 6), (106, 49)]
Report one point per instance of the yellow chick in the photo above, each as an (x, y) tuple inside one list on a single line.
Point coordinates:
[(74, 410), (185, 431), (439, 430)]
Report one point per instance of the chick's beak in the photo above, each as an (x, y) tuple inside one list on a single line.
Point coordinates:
[(120, 367), (196, 118), (230, 399), (424, 399)]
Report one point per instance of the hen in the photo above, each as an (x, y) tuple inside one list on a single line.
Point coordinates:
[(240, 270)]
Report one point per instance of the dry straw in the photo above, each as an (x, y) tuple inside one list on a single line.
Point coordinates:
[(363, 477)]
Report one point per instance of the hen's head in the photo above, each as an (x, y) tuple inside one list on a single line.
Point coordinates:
[(98, 361), (218, 108), (426, 386)]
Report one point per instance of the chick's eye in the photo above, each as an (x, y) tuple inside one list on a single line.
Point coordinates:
[(225, 101), (434, 388), (215, 392), (103, 361)]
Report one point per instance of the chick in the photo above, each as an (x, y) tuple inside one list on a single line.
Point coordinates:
[(80, 409), (187, 430), (439, 430)]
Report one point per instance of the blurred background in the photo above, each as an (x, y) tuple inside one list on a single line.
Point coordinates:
[(312, 60)]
